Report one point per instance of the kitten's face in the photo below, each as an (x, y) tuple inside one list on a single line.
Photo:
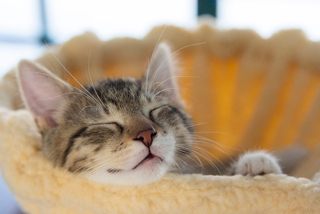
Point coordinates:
[(119, 131), (122, 135)]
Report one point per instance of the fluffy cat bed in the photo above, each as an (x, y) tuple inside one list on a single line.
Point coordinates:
[(262, 93), (42, 189)]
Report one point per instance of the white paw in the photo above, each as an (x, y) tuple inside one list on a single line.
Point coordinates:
[(257, 163)]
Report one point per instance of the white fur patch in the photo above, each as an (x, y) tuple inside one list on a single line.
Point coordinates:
[(150, 171), (257, 163)]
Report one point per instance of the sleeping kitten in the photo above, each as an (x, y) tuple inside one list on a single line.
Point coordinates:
[(121, 131)]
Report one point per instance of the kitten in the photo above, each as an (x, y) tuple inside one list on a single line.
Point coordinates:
[(118, 131)]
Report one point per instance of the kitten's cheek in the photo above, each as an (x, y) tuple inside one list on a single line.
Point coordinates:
[(160, 152), (164, 148)]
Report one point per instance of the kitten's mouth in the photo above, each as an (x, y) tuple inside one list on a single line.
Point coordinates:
[(150, 156)]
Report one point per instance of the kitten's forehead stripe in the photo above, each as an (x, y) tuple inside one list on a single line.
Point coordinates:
[(106, 110), (111, 100), (98, 148), (79, 160), (121, 93)]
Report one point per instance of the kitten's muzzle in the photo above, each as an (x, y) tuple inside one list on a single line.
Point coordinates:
[(146, 137), (148, 157)]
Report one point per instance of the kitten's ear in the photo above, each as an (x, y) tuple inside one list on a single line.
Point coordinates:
[(161, 72), (42, 92)]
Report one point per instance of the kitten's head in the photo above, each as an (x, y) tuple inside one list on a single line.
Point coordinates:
[(119, 131)]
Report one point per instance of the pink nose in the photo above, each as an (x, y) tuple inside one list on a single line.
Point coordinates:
[(146, 137)]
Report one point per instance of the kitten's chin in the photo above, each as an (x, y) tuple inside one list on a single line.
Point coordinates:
[(147, 172)]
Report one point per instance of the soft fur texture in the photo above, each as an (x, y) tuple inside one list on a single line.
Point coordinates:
[(117, 130), (43, 189), (261, 93)]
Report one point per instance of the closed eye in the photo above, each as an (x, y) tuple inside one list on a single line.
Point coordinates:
[(109, 123), (155, 110)]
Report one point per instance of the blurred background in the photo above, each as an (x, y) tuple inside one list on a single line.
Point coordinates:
[(27, 25)]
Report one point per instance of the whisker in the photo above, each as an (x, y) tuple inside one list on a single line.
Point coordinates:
[(171, 55), (85, 108), (69, 93), (88, 93), (207, 159), (152, 57), (160, 83), (197, 124), (218, 148), (200, 162), (81, 92), (208, 144), (214, 142), (174, 163), (212, 133), (168, 89), (91, 82), (97, 167), (81, 167), (209, 154)]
